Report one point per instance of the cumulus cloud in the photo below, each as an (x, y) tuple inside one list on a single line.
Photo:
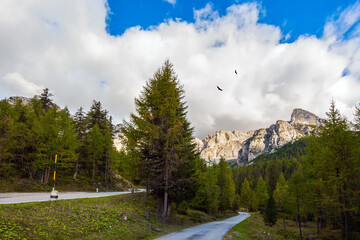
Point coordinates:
[(63, 45), (16, 83)]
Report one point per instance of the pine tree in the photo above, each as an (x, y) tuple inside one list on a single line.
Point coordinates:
[(97, 117), (81, 130), (159, 137), (46, 100), (270, 213)]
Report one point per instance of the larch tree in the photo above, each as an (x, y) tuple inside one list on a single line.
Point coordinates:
[(260, 195), (336, 164), (246, 195)]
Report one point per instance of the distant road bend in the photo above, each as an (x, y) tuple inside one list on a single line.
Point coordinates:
[(9, 198), (208, 231)]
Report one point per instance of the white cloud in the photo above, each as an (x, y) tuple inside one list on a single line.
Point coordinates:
[(16, 83), (173, 2), (63, 45)]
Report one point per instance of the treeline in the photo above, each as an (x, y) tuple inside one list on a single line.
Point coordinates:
[(33, 131), (320, 184)]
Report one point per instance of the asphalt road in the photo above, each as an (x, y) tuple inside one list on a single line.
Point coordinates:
[(208, 231), (10, 198)]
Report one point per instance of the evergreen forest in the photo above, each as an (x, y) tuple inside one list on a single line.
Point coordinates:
[(33, 131)]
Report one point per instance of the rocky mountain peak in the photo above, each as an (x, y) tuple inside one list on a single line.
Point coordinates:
[(242, 147), (300, 116)]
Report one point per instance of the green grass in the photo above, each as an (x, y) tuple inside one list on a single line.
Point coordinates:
[(254, 228), (93, 218)]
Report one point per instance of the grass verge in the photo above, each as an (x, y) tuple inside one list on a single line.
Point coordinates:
[(254, 228), (90, 218)]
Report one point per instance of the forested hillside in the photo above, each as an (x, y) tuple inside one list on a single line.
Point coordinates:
[(314, 179), (33, 131)]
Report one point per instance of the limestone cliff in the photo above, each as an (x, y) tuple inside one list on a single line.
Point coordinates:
[(245, 146)]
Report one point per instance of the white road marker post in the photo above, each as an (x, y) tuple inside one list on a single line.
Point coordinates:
[(54, 193)]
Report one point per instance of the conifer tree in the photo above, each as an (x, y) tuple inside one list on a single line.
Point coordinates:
[(226, 186), (46, 100), (336, 168), (246, 195), (296, 199), (280, 194), (260, 195), (97, 117), (159, 137), (270, 213), (207, 195)]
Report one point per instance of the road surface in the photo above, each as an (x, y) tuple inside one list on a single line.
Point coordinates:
[(9, 198), (208, 231)]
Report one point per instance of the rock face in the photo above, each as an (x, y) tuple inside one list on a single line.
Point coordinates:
[(300, 116), (245, 146), (223, 144)]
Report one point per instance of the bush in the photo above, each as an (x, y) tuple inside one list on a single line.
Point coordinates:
[(182, 207), (197, 216)]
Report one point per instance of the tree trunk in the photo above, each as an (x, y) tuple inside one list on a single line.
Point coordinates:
[(47, 175), (346, 217), (164, 214), (42, 177), (93, 171), (298, 213), (106, 170), (168, 210), (29, 170), (147, 193), (76, 168), (284, 223)]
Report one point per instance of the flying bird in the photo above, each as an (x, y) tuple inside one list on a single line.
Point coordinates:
[(219, 88), (235, 71)]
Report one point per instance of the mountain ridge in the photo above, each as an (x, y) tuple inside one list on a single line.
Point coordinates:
[(243, 146)]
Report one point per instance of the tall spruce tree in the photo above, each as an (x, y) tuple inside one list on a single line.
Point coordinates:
[(159, 137), (270, 213), (46, 100), (99, 125)]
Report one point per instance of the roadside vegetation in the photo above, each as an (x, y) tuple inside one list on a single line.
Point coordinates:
[(93, 218), (254, 228)]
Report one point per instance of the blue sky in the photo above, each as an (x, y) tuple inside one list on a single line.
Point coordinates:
[(293, 17), (288, 54)]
